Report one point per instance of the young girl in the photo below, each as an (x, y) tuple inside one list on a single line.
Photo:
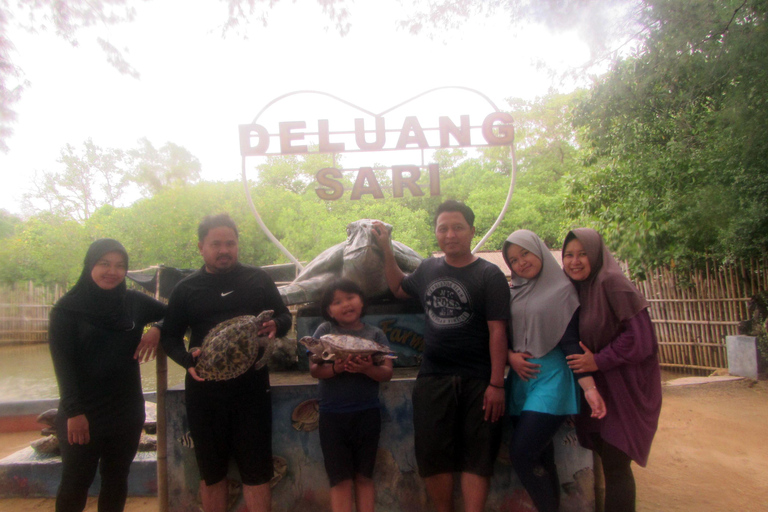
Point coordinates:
[(350, 420)]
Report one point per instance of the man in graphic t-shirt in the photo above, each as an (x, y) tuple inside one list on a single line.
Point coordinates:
[(458, 398)]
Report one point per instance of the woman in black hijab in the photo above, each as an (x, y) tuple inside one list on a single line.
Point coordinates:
[(95, 336)]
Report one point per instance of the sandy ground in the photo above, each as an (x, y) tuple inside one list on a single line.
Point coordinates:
[(709, 455), (711, 450)]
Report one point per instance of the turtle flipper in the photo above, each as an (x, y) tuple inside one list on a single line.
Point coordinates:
[(268, 349)]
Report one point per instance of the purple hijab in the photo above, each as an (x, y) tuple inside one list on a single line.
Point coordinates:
[(615, 325)]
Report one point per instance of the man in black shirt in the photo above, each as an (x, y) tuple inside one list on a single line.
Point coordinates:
[(458, 397), (229, 418)]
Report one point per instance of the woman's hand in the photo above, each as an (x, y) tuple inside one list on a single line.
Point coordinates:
[(596, 403), (148, 345), (582, 363), (519, 363), (77, 430)]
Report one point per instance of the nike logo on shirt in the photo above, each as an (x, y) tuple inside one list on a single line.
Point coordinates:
[(227, 293)]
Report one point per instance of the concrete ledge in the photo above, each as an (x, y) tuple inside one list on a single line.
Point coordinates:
[(690, 381), (26, 474)]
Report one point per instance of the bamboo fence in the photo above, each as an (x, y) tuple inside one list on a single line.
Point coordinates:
[(694, 312), (24, 310)]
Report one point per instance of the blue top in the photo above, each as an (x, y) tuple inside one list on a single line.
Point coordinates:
[(349, 392)]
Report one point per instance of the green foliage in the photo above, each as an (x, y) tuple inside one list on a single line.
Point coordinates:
[(677, 151), (8, 223), (44, 249), (547, 154), (163, 229), (96, 177)]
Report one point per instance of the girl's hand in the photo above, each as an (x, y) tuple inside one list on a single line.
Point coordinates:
[(340, 365), (582, 363), (358, 364), (78, 431), (523, 369), (596, 403)]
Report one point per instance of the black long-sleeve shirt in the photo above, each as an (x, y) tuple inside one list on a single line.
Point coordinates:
[(94, 366), (569, 343), (203, 300)]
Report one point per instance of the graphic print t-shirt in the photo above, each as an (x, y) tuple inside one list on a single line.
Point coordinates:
[(458, 302)]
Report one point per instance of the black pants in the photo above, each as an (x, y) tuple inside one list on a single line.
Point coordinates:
[(619, 480), (79, 462), (532, 454)]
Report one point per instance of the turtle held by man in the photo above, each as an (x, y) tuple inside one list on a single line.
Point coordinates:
[(233, 347), (358, 259), (339, 346)]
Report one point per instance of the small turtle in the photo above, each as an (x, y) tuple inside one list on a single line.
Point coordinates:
[(233, 346), (338, 346), (48, 417), (48, 445)]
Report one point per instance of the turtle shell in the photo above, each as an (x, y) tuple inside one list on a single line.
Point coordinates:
[(232, 347), (339, 346)]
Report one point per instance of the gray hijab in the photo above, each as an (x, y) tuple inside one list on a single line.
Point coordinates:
[(543, 306)]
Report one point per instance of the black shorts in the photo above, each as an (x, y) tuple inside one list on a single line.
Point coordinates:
[(232, 419), (450, 432), (349, 441)]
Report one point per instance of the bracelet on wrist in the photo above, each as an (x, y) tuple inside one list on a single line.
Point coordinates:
[(495, 386), (333, 367), (590, 389)]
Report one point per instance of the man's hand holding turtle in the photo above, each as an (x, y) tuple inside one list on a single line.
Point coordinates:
[(195, 354), (268, 328)]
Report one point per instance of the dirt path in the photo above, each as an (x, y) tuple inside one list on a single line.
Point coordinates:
[(711, 451), (709, 455)]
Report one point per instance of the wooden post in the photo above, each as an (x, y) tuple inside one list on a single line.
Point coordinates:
[(162, 442)]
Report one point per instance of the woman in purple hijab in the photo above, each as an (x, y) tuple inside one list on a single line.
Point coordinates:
[(621, 350)]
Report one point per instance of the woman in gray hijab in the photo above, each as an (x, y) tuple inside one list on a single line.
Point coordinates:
[(541, 389)]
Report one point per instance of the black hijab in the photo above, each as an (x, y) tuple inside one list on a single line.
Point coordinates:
[(103, 308)]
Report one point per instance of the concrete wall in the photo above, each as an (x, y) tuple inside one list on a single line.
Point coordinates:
[(304, 485)]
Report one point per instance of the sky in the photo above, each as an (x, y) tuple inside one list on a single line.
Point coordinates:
[(196, 87)]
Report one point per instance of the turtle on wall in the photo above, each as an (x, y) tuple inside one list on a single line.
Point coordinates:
[(358, 258)]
